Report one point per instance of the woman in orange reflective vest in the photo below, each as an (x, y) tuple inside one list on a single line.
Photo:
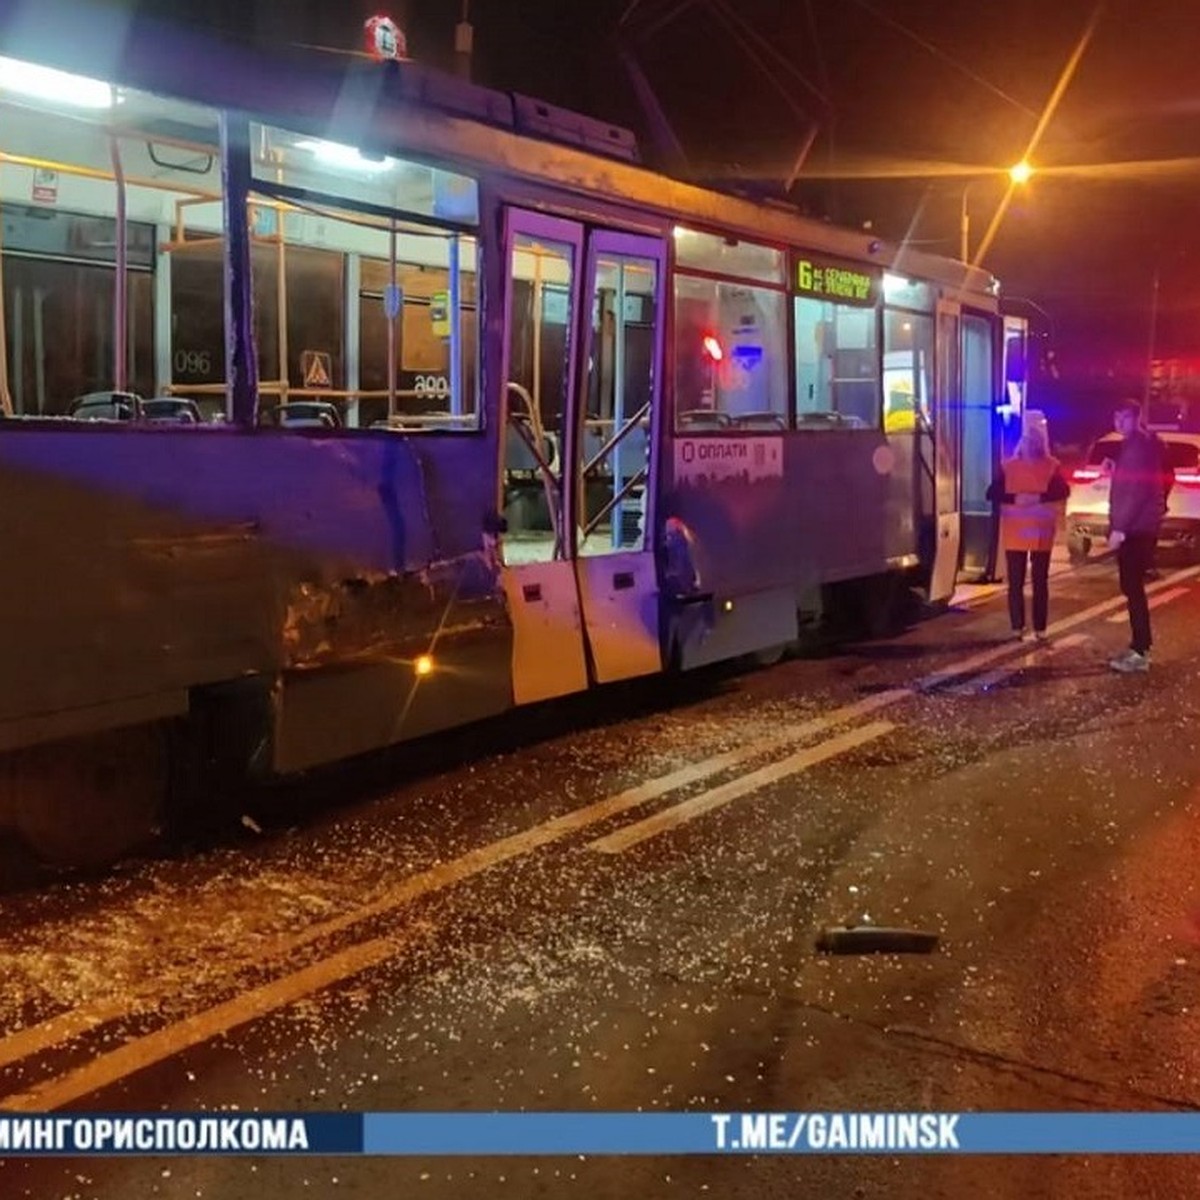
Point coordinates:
[(1030, 490)]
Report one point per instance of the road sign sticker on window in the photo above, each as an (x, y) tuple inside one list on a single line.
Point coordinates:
[(317, 366)]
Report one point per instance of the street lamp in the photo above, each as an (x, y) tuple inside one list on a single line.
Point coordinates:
[(1018, 173)]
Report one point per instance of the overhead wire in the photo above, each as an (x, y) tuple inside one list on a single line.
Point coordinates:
[(774, 51), (665, 18), (721, 10), (945, 57)]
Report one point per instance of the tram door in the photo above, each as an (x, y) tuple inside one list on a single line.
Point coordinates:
[(581, 364), (545, 262), (947, 430), (617, 411)]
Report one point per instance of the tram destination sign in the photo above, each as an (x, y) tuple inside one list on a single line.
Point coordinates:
[(830, 279)]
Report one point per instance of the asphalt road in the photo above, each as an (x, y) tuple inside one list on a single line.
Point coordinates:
[(619, 912)]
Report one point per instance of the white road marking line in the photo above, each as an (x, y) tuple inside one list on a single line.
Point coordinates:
[(979, 592), (65, 1026), (1035, 657), (1159, 600), (673, 817), (1086, 614), (153, 1048)]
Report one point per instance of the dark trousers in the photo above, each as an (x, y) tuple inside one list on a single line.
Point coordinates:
[(1135, 556), (1016, 586)]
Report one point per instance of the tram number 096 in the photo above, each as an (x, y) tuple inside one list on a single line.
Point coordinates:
[(432, 385), (192, 362)]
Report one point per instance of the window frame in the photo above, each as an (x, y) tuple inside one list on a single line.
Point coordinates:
[(674, 270), (472, 422), (875, 274), (926, 422)]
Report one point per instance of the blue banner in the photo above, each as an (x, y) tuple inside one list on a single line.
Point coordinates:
[(780, 1133), (564, 1133)]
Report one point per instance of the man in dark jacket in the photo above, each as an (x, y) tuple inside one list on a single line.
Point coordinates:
[(1137, 500)]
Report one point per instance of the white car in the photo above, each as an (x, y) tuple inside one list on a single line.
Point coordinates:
[(1087, 508)]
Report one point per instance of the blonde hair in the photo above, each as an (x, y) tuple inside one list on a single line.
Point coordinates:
[(1032, 445)]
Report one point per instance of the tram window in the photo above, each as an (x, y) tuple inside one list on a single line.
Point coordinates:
[(60, 202), (907, 371), (727, 256), (401, 278), (902, 292), (730, 348), (331, 169), (60, 333), (837, 365), (198, 320), (977, 413), (421, 378), (198, 326), (305, 360), (620, 387), (411, 278)]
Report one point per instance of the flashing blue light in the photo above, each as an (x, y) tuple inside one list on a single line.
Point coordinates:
[(747, 357)]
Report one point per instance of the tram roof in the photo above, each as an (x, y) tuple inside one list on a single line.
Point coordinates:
[(383, 107)]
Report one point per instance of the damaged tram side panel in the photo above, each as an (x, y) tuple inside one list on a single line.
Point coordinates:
[(296, 581)]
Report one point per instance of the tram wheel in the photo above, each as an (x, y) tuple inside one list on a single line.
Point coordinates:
[(86, 802), (768, 656), (879, 605)]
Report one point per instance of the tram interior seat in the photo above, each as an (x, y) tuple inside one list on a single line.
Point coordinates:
[(703, 418), (172, 410), (106, 406), (829, 420), (595, 435), (432, 422), (441, 421), (309, 414), (525, 505), (760, 420)]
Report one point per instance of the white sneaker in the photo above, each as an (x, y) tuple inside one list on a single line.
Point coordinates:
[(1040, 635), (1131, 662), (1019, 635)]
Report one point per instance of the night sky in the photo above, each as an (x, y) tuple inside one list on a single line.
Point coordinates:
[(937, 89)]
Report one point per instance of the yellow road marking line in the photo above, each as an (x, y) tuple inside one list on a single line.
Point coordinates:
[(676, 815), (1159, 600)]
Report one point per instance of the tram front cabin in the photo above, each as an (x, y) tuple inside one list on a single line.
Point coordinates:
[(467, 416)]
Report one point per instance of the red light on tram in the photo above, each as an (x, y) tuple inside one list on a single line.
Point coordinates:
[(384, 39), (712, 348)]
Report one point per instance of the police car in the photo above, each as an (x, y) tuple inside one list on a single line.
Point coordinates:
[(1087, 508)]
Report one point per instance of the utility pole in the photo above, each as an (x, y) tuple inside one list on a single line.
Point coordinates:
[(1153, 336), (464, 43)]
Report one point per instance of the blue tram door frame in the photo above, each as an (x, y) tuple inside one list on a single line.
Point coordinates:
[(616, 429), (583, 603), (980, 439), (947, 433), (1014, 397), (543, 259)]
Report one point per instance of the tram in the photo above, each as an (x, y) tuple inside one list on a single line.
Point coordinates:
[(345, 402)]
